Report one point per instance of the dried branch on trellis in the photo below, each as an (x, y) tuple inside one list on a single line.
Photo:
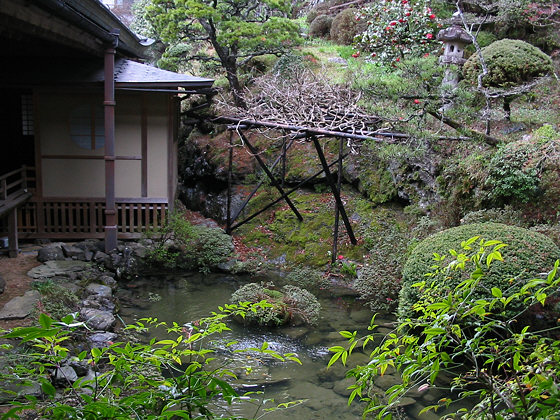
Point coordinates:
[(305, 99)]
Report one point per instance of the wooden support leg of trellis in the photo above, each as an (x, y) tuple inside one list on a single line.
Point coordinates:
[(337, 211), (252, 193), (297, 187), (230, 181), (335, 192), (270, 176)]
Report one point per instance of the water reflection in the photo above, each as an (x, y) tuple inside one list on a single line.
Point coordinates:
[(185, 298)]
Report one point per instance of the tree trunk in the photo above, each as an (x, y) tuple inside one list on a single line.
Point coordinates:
[(230, 65)]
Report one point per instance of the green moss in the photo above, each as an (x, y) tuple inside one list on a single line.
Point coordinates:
[(527, 255), (510, 62), (377, 184), (278, 232)]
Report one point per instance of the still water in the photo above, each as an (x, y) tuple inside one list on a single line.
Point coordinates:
[(185, 298)]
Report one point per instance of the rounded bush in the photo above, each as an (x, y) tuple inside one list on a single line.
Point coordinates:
[(345, 27), (290, 305), (510, 62), (321, 26), (526, 255)]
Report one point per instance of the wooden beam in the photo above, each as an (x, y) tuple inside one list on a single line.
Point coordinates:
[(335, 192), (246, 201), (269, 174), (265, 208)]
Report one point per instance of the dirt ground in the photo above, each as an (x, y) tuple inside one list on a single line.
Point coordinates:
[(14, 271)]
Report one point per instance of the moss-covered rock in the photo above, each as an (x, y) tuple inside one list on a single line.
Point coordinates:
[(321, 26), (510, 62), (289, 305), (527, 255), (345, 27)]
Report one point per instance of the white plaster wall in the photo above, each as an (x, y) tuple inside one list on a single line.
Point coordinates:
[(86, 177)]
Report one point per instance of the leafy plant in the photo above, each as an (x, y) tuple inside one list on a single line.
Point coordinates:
[(163, 379), (346, 25), (509, 370)]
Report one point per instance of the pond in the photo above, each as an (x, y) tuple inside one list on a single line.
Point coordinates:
[(186, 297)]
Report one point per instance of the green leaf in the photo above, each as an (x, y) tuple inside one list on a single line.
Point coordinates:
[(48, 388), (496, 292)]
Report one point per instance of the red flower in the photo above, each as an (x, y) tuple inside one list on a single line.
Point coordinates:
[(427, 55), (388, 28), (429, 36), (407, 14), (401, 20), (432, 16), (393, 23), (373, 54), (398, 59), (404, 1), (417, 101), (356, 54), (341, 257)]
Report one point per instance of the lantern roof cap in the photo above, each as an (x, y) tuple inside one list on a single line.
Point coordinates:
[(454, 33)]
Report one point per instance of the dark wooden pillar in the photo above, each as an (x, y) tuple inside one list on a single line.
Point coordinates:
[(109, 107), (13, 245)]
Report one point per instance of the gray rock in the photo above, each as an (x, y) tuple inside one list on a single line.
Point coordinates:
[(341, 387), (102, 303), (64, 376), (20, 306), (13, 390), (73, 252), (227, 266), (57, 268), (386, 381), (109, 281), (88, 255), (338, 60), (100, 257), (50, 253), (99, 289), (102, 339), (97, 319), (2, 284), (405, 401)]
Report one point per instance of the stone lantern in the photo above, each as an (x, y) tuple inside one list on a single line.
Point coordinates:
[(454, 39)]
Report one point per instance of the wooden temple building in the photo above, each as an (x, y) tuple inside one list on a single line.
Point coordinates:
[(88, 140)]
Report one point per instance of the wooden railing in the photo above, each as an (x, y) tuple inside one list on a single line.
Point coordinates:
[(15, 188), (70, 217), (75, 218)]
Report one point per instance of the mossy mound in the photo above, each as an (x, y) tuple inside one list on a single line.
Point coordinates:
[(289, 305), (510, 62), (527, 255), (321, 26), (345, 27)]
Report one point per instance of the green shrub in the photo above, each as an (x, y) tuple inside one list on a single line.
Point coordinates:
[(484, 39), (209, 247), (510, 62), (307, 278), (528, 254), (513, 173), (290, 305), (56, 300), (321, 26), (288, 65), (345, 27), (180, 245), (507, 216)]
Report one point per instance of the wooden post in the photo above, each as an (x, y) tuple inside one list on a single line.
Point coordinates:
[(334, 191), (230, 182), (269, 174), (336, 210), (13, 246), (109, 106)]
